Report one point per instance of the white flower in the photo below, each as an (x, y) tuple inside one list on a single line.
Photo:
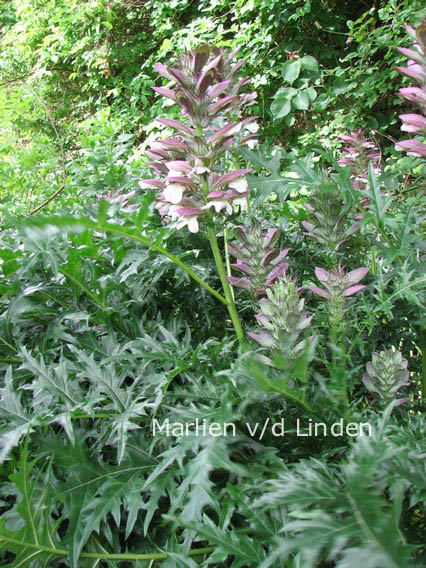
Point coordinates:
[(252, 127), (252, 143), (174, 193), (190, 221), (239, 185)]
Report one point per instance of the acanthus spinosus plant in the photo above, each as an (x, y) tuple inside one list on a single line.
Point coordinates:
[(191, 180), (359, 152), (190, 176), (416, 69), (386, 374), (257, 260), (282, 317), (337, 286), (328, 220)]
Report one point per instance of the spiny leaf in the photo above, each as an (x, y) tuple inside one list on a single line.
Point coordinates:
[(18, 421), (37, 538)]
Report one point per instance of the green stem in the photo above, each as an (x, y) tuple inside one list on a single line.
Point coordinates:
[(228, 264), (100, 555), (225, 284), (337, 362)]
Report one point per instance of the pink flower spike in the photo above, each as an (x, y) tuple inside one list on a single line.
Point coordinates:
[(353, 290), (235, 250), (234, 52), (225, 132), (242, 266), (237, 66), (178, 166), (216, 194), (218, 89), (181, 180), (281, 256), (221, 104), (231, 176), (178, 76), (348, 138), (240, 282), (271, 236), (410, 31), (308, 226), (173, 193), (277, 271)]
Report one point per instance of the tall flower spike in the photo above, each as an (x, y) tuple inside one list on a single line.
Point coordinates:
[(191, 183), (282, 317), (259, 263), (328, 220), (386, 374), (359, 153), (416, 69)]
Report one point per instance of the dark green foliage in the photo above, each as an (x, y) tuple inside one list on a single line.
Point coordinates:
[(113, 324)]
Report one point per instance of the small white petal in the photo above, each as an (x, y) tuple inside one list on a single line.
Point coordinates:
[(174, 173), (193, 224), (239, 185), (252, 127), (173, 193)]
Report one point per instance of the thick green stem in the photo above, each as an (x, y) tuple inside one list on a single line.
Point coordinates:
[(336, 316), (225, 284), (228, 264)]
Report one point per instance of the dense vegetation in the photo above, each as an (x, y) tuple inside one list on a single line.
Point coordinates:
[(212, 278)]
